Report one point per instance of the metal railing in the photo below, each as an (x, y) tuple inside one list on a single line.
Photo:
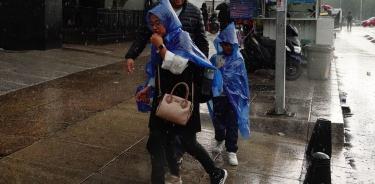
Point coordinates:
[(84, 25)]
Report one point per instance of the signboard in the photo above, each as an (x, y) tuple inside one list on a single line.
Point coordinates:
[(243, 9)]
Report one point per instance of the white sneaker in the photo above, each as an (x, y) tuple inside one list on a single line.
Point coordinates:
[(219, 147), (172, 179), (232, 158)]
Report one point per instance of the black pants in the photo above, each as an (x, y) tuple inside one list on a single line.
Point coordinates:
[(225, 123), (349, 26), (179, 149), (161, 146)]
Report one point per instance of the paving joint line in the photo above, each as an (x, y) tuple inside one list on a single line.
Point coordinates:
[(115, 158)]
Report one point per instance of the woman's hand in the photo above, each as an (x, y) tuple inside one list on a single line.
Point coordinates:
[(143, 95), (156, 40), (128, 65)]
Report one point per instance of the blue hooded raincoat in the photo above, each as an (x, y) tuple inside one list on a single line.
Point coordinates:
[(177, 41), (234, 76)]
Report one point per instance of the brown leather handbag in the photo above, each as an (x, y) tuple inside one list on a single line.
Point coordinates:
[(174, 108)]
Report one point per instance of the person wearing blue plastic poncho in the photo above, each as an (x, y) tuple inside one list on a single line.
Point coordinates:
[(231, 101), (174, 59)]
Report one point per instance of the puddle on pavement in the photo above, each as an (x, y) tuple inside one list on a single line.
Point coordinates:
[(39, 111)]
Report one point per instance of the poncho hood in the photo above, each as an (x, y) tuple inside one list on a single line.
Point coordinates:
[(176, 40), (234, 75)]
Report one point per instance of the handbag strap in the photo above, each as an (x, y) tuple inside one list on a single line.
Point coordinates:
[(186, 89), (180, 83)]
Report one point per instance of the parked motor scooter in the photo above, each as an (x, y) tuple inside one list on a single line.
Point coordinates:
[(259, 53)]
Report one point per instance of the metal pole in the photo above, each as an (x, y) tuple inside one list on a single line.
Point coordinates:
[(341, 16), (317, 9), (360, 12), (280, 57), (213, 6), (263, 7)]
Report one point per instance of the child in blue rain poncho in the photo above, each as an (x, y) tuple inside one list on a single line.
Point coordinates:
[(174, 59), (231, 99)]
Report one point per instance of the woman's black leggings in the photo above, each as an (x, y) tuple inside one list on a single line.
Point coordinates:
[(161, 146)]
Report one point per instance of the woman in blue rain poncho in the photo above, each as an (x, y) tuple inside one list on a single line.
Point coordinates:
[(231, 98), (177, 59)]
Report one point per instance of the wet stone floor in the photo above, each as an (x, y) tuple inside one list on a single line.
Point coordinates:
[(84, 128), (109, 147), (41, 110)]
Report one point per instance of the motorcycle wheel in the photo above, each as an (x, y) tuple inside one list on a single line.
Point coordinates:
[(293, 71)]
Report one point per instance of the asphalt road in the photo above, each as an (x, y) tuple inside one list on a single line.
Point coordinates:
[(356, 71)]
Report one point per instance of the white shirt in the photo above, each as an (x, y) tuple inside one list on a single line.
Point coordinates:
[(172, 62), (178, 12)]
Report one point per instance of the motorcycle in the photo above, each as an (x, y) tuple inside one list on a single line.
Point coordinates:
[(259, 53)]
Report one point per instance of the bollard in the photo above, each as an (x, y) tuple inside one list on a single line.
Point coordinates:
[(319, 170), (321, 139)]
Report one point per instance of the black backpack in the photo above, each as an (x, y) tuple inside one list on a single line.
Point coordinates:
[(205, 85)]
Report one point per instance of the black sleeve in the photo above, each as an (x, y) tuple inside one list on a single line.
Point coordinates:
[(200, 38), (141, 39)]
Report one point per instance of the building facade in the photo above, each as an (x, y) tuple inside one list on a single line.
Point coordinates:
[(87, 21), (45, 24)]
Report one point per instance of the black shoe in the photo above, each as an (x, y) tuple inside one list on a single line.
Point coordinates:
[(219, 176)]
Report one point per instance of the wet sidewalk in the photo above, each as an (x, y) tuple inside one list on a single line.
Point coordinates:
[(80, 125), (20, 69), (109, 147)]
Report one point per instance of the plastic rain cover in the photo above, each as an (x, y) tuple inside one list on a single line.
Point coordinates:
[(176, 40), (235, 82)]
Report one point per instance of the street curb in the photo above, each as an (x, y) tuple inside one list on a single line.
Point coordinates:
[(333, 111)]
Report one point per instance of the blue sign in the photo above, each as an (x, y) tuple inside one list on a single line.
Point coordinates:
[(243, 9)]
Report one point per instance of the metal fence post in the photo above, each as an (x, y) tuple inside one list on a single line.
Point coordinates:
[(280, 57)]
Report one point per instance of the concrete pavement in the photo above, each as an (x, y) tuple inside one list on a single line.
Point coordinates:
[(83, 127), (20, 69), (109, 147)]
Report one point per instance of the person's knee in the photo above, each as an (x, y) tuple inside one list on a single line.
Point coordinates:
[(155, 148)]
